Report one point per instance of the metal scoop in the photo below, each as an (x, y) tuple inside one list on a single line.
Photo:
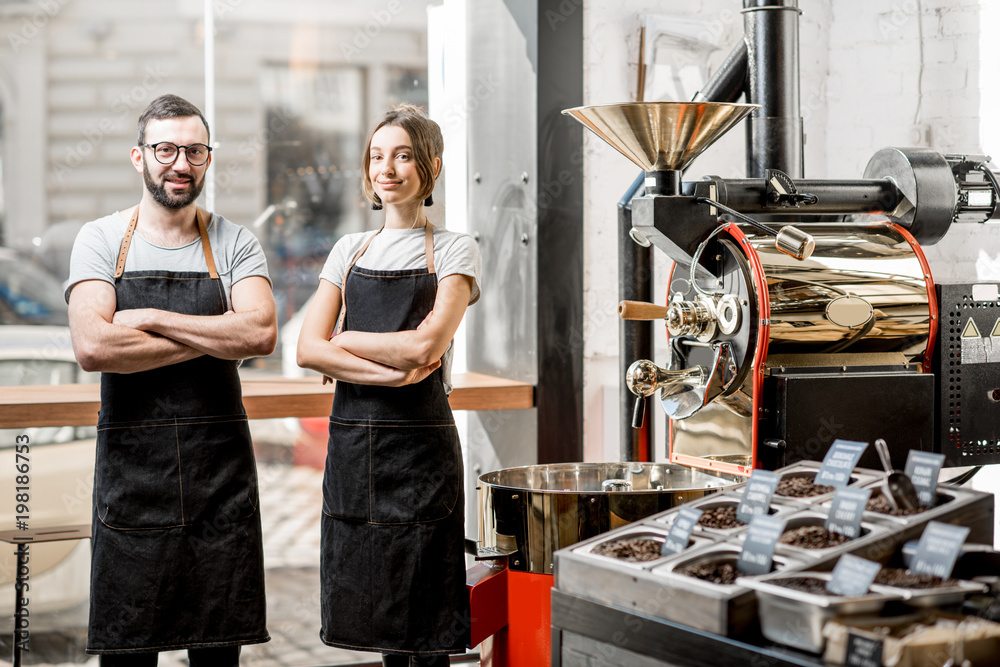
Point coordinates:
[(897, 487)]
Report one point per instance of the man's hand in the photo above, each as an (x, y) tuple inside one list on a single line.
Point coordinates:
[(135, 319), (143, 319)]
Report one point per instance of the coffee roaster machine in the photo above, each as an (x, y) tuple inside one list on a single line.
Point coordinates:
[(799, 311), (785, 336)]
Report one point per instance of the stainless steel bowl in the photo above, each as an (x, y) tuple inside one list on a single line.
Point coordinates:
[(530, 512)]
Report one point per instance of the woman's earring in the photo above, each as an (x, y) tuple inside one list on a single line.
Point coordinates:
[(429, 201), (377, 204)]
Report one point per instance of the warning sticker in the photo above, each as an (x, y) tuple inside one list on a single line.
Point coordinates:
[(971, 330)]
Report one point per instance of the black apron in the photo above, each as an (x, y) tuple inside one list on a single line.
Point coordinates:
[(392, 564), (177, 559)]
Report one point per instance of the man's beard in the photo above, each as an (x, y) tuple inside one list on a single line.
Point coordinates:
[(166, 200)]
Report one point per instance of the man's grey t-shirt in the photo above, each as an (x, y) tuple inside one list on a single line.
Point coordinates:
[(404, 249), (236, 251)]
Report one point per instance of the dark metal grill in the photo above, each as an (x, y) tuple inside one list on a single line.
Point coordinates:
[(969, 395)]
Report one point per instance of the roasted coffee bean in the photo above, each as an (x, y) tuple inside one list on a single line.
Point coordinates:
[(805, 584), (801, 487), (879, 503), (717, 572), (812, 537), (631, 549), (722, 517), (901, 578)]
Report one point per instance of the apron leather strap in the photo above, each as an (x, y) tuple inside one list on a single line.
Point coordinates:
[(429, 246), (126, 242), (343, 283), (202, 216)]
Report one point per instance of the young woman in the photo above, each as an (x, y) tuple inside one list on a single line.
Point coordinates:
[(392, 561)]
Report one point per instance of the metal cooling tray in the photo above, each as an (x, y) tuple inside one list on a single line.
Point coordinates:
[(642, 530), (808, 469), (946, 495), (870, 532), (939, 596), (721, 500), (725, 609), (796, 618), (612, 581)]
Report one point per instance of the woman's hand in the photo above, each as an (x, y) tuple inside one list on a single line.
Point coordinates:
[(419, 374)]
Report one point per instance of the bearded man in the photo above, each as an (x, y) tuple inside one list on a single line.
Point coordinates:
[(165, 299)]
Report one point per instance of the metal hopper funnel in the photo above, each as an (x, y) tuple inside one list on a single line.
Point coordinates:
[(661, 136)]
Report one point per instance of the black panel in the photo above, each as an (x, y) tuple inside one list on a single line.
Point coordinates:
[(968, 400), (662, 642), (635, 337), (559, 194), (808, 411)]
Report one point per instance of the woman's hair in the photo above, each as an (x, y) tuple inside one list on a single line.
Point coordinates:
[(425, 135)]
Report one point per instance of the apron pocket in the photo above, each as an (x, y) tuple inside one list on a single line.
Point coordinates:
[(175, 472), (392, 472), (416, 472), (346, 492), (218, 472), (138, 476)]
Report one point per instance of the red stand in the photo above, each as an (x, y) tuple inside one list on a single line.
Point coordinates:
[(511, 616)]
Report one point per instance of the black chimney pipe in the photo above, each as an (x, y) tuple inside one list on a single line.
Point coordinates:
[(774, 132)]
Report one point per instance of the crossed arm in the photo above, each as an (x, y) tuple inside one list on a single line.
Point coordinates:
[(131, 341), (387, 359)]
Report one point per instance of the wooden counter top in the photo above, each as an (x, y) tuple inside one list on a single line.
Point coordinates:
[(77, 404)]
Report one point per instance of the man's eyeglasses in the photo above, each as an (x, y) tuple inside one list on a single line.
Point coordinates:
[(166, 153)]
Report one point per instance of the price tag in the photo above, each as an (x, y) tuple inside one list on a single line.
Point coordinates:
[(845, 512), (680, 531), (852, 575), (922, 468), (758, 547), (938, 549), (863, 651), (757, 495), (839, 461)]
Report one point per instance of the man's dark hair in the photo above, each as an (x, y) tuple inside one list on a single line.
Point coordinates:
[(169, 106)]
